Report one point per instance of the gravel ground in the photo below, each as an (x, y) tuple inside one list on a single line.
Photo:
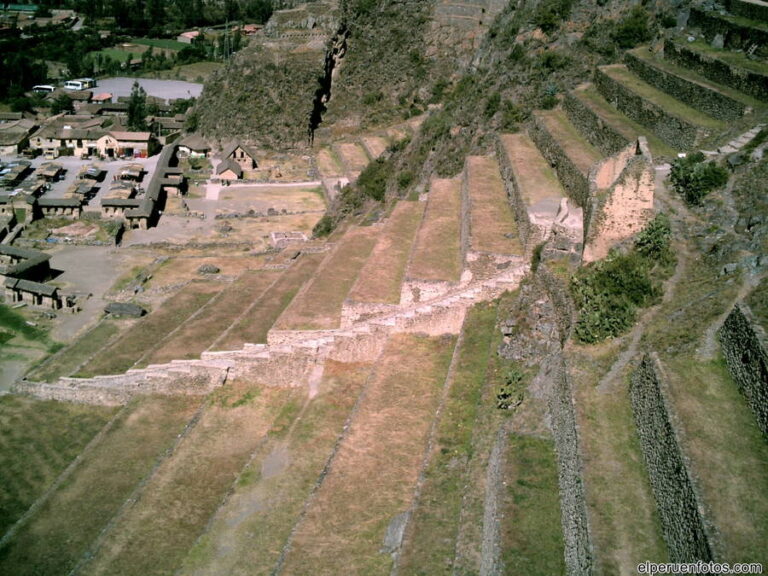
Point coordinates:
[(166, 89)]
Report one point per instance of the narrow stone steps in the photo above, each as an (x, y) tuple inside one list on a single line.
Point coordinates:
[(716, 100), (606, 128), (674, 122)]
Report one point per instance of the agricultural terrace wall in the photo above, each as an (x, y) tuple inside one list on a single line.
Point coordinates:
[(578, 548), (751, 10), (600, 134), (716, 104), (744, 347), (415, 291), (117, 390), (682, 522), (558, 293), (735, 35), (530, 233), (352, 311), (574, 182), (290, 368), (747, 81), (673, 130)]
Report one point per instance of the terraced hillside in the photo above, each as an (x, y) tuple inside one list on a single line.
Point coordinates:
[(416, 396)]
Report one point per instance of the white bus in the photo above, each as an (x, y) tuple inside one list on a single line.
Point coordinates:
[(43, 89), (80, 84)]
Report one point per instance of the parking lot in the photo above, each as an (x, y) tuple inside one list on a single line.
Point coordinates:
[(165, 89)]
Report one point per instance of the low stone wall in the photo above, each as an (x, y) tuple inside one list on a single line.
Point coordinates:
[(600, 134), (744, 347), (573, 506), (674, 131), (740, 79), (530, 234), (353, 312), (751, 10), (681, 519), (574, 182), (414, 291), (117, 390), (558, 293), (735, 35), (716, 104)]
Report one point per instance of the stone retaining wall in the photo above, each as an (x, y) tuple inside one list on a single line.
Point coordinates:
[(600, 134), (573, 506), (744, 348), (675, 131), (414, 291), (747, 81), (681, 519), (530, 234), (574, 182), (557, 290), (751, 10), (735, 35), (703, 98)]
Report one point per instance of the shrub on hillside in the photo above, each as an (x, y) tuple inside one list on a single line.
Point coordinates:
[(633, 29), (551, 13), (693, 178)]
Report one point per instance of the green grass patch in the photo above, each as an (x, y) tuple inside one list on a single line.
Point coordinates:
[(58, 535), (70, 358), (38, 439), (13, 322), (165, 43), (149, 331), (435, 523), (532, 535)]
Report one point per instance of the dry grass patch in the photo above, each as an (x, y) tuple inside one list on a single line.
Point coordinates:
[(180, 269), (219, 313), (327, 163), (319, 306), (535, 178), (353, 156), (437, 252), (373, 474), (248, 532), (64, 528), (581, 152), (382, 276), (624, 522), (154, 535), (261, 198), (492, 223), (38, 439), (375, 145), (253, 326), (149, 331), (430, 542)]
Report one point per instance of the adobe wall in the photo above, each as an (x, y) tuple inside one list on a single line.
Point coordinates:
[(716, 104), (676, 500), (736, 36), (626, 206), (746, 81), (674, 131), (574, 182), (573, 506), (744, 348), (600, 134)]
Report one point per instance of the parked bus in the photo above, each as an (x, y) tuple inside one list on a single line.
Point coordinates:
[(43, 89), (80, 84)]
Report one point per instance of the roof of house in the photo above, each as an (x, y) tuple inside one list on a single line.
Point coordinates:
[(30, 286), (59, 202), (195, 142), (229, 164), (120, 202), (7, 116), (124, 309), (131, 136), (227, 152), (12, 138)]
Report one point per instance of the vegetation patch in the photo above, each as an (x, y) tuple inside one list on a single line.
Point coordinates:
[(64, 528), (693, 178), (431, 540), (38, 439), (609, 293)]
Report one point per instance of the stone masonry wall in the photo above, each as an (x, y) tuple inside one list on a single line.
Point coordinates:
[(530, 234), (572, 179), (744, 347), (751, 10), (716, 104), (600, 134), (746, 81), (674, 131), (735, 35), (573, 507), (682, 522)]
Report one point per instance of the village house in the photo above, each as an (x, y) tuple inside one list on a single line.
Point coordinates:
[(14, 135), (194, 146), (229, 170), (60, 207), (244, 155), (37, 294), (23, 263)]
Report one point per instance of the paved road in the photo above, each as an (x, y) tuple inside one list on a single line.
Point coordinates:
[(166, 89)]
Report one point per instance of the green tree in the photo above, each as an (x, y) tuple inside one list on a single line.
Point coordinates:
[(62, 103), (137, 108)]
